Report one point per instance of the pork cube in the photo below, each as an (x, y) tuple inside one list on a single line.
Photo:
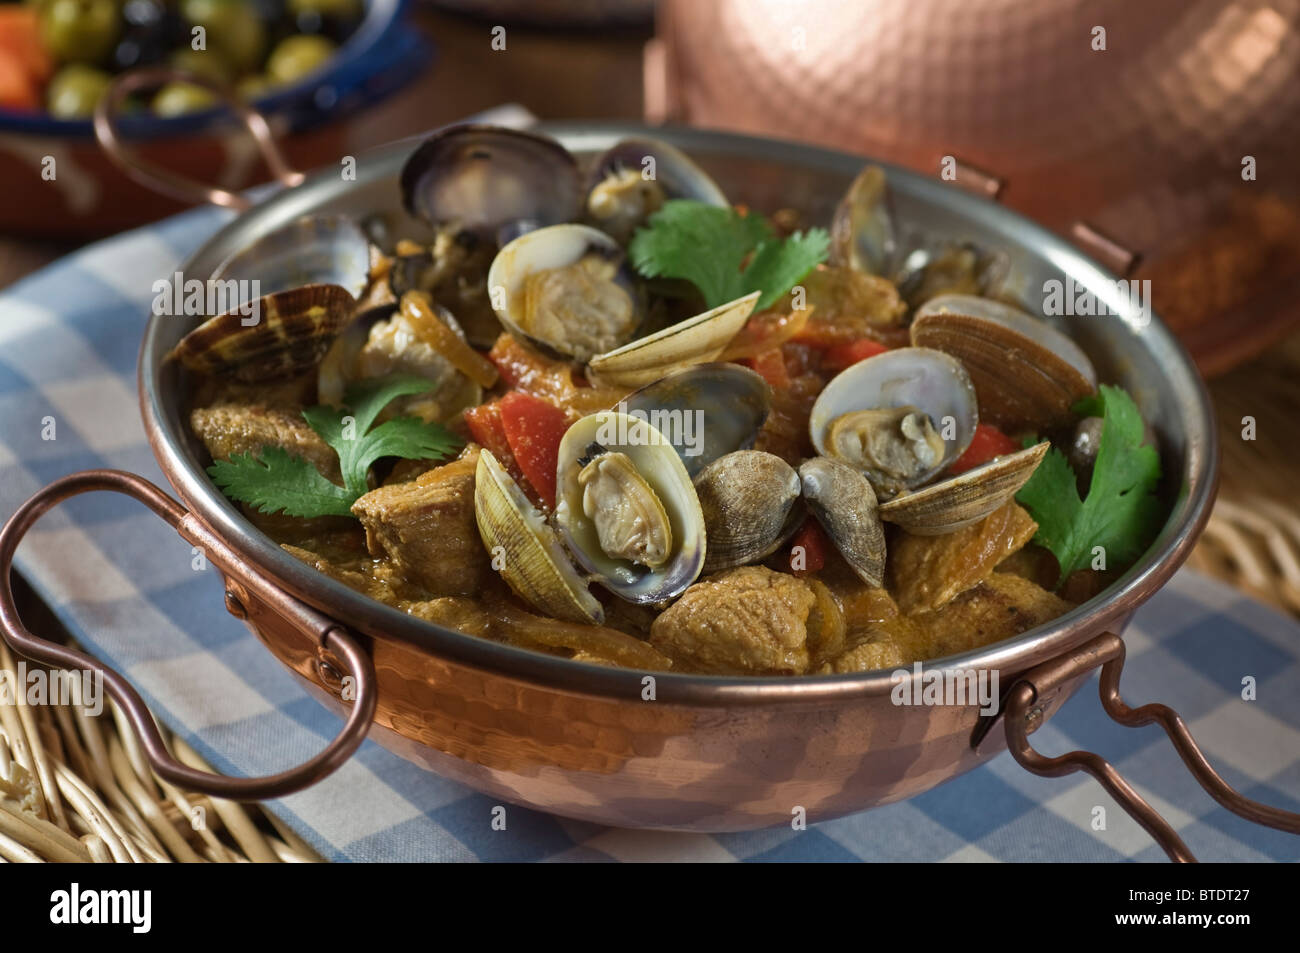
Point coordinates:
[(747, 621), (426, 528)]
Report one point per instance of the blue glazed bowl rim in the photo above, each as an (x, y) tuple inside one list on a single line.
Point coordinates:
[(361, 56)]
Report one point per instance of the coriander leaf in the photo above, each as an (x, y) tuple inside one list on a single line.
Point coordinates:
[(407, 437), (278, 481), (1120, 513), (725, 254), (358, 446), (367, 398), (778, 265)]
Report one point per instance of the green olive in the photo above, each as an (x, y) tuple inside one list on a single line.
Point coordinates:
[(176, 99), (296, 56), (342, 9), (206, 63), (254, 87), (80, 31), (232, 28), (74, 91)]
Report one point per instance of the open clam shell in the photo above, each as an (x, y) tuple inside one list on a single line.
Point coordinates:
[(531, 558), (491, 180), (967, 498), (751, 505), (1027, 374), (930, 382), (579, 516), (862, 229), (633, 179), (279, 302), (567, 290), (274, 336), (705, 411), (844, 503), (697, 340)]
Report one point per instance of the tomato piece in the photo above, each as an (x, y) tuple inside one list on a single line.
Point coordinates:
[(534, 428), (840, 356), (765, 331), (988, 442), (21, 41), (17, 89), (485, 426), (770, 365), (814, 543)]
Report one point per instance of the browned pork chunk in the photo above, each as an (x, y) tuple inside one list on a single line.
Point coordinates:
[(926, 572), (1001, 606), (426, 528), (748, 621), (228, 429)]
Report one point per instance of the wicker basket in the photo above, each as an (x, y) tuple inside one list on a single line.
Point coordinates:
[(1253, 538), (75, 787)]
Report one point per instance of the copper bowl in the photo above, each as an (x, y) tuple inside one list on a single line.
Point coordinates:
[(705, 753), (1096, 118)]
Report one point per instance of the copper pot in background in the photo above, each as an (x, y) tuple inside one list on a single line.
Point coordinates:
[(1144, 140)]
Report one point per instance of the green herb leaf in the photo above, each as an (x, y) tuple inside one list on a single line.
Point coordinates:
[(1120, 513), (725, 254), (278, 481)]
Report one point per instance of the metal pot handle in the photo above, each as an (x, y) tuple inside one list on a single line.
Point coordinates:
[(108, 111), (327, 634), (1022, 713)]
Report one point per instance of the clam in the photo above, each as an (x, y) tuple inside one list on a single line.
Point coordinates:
[(750, 501), (626, 508), (567, 290), (525, 549), (899, 417), (696, 340), (865, 238), (967, 498), (282, 300), (633, 179), (453, 269), (493, 181), (273, 336), (378, 343), (1028, 375), (844, 503), (934, 268), (862, 229), (705, 411)]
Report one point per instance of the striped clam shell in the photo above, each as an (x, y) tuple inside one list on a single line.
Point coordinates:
[(289, 332)]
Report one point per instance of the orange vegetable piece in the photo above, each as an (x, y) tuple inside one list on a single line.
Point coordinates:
[(417, 308), (988, 442), (534, 428), (20, 40)]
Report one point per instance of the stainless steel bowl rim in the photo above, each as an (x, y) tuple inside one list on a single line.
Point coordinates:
[(1109, 610)]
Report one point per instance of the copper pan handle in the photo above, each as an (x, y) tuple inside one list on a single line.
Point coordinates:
[(109, 108), (1021, 713), (330, 636)]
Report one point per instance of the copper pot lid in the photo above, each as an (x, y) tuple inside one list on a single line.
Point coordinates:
[(1168, 126)]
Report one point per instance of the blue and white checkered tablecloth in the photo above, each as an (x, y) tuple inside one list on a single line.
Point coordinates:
[(123, 583)]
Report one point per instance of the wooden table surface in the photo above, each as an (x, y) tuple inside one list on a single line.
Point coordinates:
[(597, 75)]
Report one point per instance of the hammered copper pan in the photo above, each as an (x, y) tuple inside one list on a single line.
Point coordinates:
[(1132, 121), (695, 753)]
